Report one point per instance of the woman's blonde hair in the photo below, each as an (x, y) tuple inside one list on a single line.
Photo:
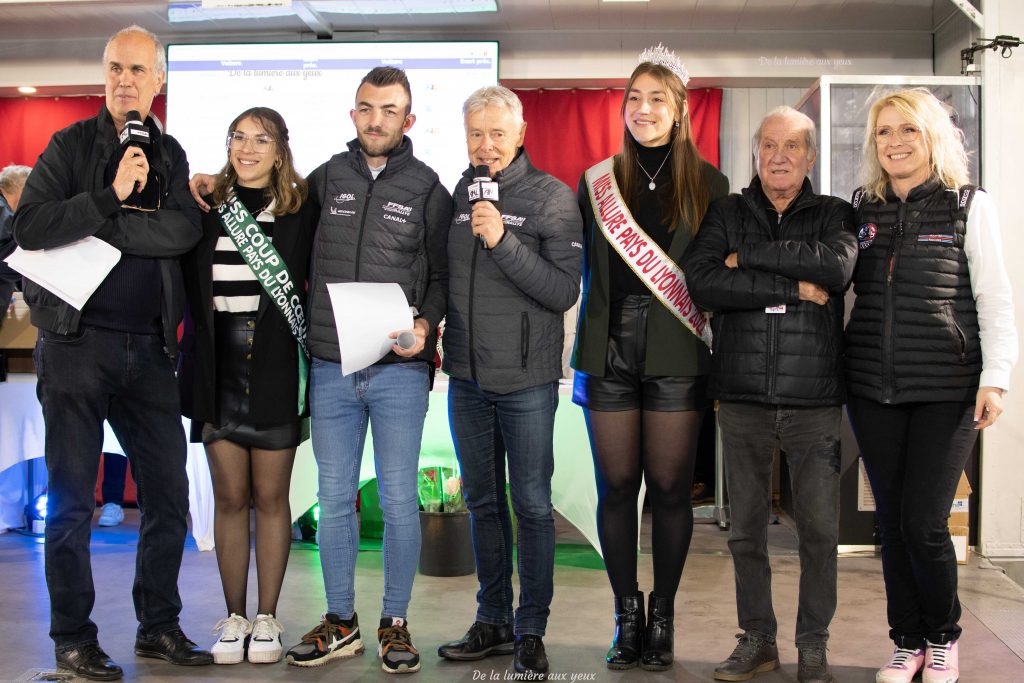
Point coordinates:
[(943, 141), (690, 191), (287, 187)]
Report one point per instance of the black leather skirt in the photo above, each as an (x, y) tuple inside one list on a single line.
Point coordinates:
[(234, 334), (625, 386)]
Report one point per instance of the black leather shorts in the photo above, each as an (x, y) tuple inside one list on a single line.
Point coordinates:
[(234, 334), (624, 385)]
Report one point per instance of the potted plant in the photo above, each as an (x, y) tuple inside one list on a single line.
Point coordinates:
[(447, 546)]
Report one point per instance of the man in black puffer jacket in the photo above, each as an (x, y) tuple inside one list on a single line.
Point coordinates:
[(514, 270), (772, 265)]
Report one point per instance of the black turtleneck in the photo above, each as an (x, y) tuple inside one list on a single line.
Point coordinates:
[(650, 210)]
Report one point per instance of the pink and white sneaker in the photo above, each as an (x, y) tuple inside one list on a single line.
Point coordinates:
[(941, 663), (902, 667)]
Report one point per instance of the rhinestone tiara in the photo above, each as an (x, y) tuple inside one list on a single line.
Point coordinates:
[(662, 56)]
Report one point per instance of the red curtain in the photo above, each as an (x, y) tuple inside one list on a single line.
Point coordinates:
[(568, 131), (29, 122)]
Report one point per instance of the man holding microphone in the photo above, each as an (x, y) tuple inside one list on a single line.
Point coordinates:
[(514, 270)]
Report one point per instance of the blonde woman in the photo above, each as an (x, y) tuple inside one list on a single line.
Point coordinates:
[(929, 350)]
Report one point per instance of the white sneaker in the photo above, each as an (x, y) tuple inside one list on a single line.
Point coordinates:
[(902, 667), (111, 514), (230, 647), (941, 663), (265, 641)]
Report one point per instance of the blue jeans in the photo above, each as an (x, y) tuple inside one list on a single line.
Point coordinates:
[(810, 439), (486, 426), (914, 454), (127, 379), (392, 399)]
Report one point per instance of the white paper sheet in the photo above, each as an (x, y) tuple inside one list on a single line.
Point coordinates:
[(365, 313), (72, 272)]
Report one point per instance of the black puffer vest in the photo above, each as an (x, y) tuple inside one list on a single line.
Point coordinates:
[(369, 231), (913, 333)]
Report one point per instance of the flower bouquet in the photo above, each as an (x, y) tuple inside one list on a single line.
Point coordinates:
[(440, 490)]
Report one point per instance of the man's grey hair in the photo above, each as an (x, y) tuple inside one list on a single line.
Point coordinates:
[(13, 177), (161, 60), (810, 134), (494, 95)]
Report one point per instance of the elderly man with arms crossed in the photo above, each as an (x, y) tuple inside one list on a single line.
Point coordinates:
[(772, 264)]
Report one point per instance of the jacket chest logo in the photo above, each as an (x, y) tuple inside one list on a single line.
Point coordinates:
[(344, 197), (936, 239), (511, 221), (462, 218), (866, 235), (396, 212)]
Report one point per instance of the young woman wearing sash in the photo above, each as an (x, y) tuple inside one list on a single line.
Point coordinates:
[(640, 360), (242, 357), (930, 348)]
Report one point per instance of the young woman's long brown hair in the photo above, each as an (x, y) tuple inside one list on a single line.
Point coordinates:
[(690, 192), (287, 187)]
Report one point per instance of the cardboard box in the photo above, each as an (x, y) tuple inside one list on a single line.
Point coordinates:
[(17, 332), (959, 519)]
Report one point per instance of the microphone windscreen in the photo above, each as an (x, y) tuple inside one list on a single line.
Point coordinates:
[(406, 340), (133, 116)]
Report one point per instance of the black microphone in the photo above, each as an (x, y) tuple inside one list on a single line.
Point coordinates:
[(136, 134), (483, 189)]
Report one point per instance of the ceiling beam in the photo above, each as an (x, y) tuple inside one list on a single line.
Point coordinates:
[(312, 19), (971, 12)]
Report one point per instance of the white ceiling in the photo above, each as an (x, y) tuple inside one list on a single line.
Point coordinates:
[(77, 29), (59, 19)]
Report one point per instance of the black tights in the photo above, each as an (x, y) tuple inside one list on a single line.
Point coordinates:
[(242, 476), (660, 448)]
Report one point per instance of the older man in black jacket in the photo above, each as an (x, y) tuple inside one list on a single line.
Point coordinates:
[(772, 265), (514, 271), (114, 358)]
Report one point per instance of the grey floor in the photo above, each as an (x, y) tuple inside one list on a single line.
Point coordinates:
[(580, 627)]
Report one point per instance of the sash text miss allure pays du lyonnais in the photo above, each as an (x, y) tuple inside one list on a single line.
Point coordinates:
[(666, 275)]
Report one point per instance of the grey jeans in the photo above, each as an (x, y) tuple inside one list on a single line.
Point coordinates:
[(810, 439)]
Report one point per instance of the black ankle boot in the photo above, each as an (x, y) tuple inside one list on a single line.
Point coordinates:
[(659, 634), (629, 631)]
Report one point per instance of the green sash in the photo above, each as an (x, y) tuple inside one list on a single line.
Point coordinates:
[(272, 273)]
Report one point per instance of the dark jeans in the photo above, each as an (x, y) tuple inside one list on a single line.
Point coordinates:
[(914, 454), (810, 439), (115, 466), (127, 379), (485, 426)]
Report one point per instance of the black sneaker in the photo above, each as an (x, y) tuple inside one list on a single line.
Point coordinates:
[(481, 640), (531, 662), (751, 656), (397, 655), (333, 638), (812, 665)]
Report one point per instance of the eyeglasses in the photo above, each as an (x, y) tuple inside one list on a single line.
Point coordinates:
[(260, 143), (906, 133)]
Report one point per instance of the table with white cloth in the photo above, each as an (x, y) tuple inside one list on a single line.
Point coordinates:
[(574, 492), (21, 442)]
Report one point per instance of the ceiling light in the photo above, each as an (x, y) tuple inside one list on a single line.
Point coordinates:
[(26, 89)]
